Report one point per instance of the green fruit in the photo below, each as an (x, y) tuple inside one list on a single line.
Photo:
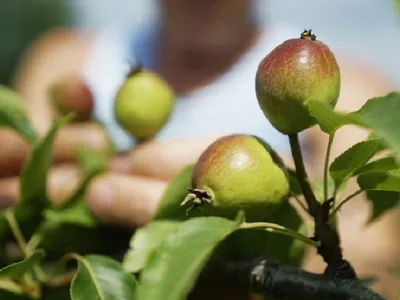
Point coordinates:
[(238, 172), (70, 94), (143, 104), (296, 72)]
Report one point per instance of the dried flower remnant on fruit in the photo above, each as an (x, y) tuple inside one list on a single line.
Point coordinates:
[(297, 71), (238, 172)]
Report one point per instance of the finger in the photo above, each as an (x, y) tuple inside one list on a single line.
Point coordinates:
[(124, 200), (89, 135), (13, 152), (63, 181), (14, 149), (9, 191), (121, 163), (165, 159)]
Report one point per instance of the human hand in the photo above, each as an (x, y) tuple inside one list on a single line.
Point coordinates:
[(15, 149), (128, 192)]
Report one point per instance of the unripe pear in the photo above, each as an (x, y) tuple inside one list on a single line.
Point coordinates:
[(238, 172), (143, 104), (297, 71), (71, 94)]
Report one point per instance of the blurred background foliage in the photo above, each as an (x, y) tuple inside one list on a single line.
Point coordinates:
[(21, 21)]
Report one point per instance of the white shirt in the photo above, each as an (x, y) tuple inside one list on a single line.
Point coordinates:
[(227, 106)]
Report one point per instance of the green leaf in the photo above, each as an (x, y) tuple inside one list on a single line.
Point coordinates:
[(380, 165), (327, 118), (381, 115), (380, 181), (92, 163), (13, 114), (318, 188), (18, 269), (169, 206), (59, 293), (347, 163), (171, 271), (10, 290), (102, 278), (33, 180), (59, 238), (378, 114), (396, 4), (145, 241), (382, 201), (77, 213)]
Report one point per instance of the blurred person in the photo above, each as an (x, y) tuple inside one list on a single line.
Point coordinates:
[(209, 52)]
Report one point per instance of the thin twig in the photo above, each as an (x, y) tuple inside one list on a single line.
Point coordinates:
[(16, 230), (279, 229), (356, 193), (328, 153)]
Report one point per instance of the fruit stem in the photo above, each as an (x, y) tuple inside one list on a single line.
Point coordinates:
[(135, 69), (312, 202), (279, 229), (326, 165), (140, 141)]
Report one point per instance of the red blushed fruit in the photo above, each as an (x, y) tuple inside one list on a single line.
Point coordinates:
[(70, 94), (295, 72)]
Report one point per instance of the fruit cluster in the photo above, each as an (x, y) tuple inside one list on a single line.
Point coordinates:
[(238, 171)]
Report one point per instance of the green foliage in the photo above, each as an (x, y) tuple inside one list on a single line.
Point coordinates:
[(33, 180), (13, 114), (352, 160), (379, 165), (101, 278), (23, 21), (18, 270), (382, 201), (380, 181), (187, 249), (396, 4), (145, 241), (369, 116)]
